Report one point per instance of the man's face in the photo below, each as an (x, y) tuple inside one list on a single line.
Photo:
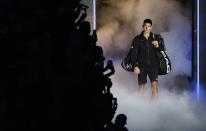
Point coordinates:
[(147, 27)]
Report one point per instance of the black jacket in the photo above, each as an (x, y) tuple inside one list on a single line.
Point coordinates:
[(143, 52)]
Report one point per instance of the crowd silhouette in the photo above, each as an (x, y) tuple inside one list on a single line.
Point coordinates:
[(53, 74)]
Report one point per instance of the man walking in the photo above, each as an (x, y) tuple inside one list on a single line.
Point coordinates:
[(144, 57)]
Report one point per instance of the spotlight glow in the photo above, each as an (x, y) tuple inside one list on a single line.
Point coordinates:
[(94, 14), (198, 57)]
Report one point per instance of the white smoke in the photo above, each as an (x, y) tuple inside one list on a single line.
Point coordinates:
[(170, 112)]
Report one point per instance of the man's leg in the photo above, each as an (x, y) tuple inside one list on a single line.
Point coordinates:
[(142, 79), (153, 75), (154, 87), (141, 88)]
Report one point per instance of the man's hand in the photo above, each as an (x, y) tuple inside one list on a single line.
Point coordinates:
[(155, 43), (137, 70)]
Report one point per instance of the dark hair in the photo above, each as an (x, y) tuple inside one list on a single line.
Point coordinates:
[(147, 21), (85, 27), (121, 119)]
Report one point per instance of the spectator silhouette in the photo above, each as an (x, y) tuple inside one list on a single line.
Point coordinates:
[(119, 125), (52, 79)]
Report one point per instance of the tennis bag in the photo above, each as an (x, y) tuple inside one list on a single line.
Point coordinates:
[(164, 62), (126, 63)]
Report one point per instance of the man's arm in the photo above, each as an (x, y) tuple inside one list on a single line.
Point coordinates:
[(161, 43), (134, 53)]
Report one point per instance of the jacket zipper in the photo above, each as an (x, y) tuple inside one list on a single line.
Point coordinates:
[(147, 52)]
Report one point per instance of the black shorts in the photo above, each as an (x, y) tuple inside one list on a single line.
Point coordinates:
[(152, 73)]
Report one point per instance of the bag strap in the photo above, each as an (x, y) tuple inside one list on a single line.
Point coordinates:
[(158, 38)]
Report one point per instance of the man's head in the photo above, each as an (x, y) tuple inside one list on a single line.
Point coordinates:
[(147, 25), (121, 120), (84, 27)]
